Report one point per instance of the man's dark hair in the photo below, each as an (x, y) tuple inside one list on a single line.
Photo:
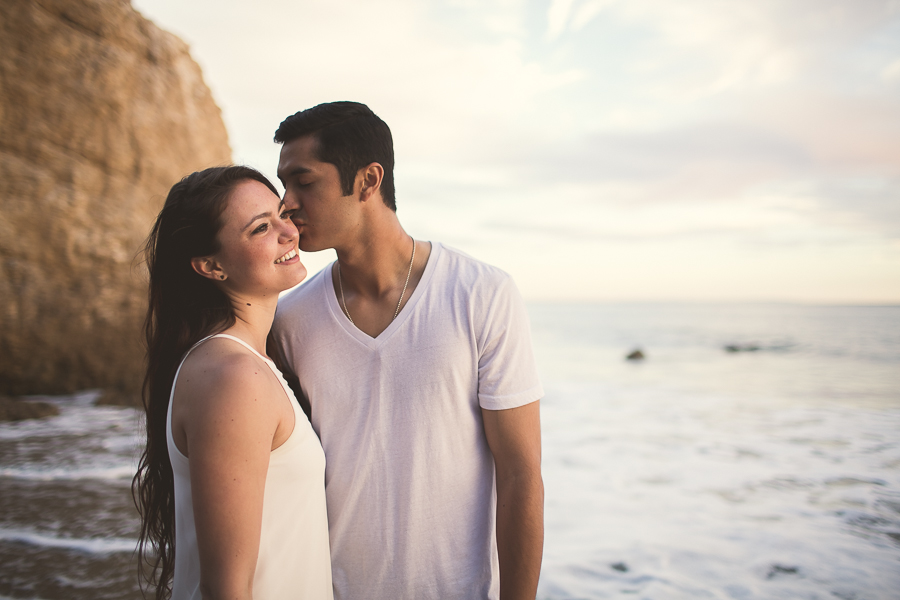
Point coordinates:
[(350, 136)]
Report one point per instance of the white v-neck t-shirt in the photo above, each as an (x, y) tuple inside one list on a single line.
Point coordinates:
[(409, 477)]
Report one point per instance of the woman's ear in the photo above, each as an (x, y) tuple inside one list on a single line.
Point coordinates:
[(206, 266)]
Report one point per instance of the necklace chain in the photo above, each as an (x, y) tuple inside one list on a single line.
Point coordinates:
[(403, 293)]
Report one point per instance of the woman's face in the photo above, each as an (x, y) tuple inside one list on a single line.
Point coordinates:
[(258, 252)]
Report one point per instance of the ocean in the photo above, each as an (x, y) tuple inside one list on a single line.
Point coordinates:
[(753, 453)]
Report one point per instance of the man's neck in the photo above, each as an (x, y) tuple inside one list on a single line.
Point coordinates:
[(376, 276), (373, 263)]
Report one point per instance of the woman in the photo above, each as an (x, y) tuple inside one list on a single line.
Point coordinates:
[(230, 486)]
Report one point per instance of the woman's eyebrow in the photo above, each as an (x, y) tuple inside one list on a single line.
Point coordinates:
[(262, 215), (257, 217)]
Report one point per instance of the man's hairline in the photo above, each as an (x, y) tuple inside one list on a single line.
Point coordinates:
[(318, 143)]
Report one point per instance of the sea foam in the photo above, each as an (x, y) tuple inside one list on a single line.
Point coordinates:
[(113, 473), (88, 545)]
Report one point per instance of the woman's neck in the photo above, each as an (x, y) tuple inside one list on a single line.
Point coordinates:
[(253, 320)]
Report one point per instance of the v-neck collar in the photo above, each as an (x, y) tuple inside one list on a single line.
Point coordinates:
[(357, 333)]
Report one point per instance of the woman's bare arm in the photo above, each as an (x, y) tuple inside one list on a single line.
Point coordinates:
[(229, 418)]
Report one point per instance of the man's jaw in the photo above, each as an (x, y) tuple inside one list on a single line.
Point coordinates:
[(303, 243)]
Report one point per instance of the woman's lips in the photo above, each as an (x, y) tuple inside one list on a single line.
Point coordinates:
[(292, 253)]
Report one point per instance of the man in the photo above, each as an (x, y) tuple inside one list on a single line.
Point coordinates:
[(417, 366)]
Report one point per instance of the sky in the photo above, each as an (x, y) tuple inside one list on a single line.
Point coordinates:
[(600, 150)]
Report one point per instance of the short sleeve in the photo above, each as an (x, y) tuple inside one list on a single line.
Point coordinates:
[(507, 373)]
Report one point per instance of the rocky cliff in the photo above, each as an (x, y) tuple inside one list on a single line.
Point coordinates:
[(100, 113)]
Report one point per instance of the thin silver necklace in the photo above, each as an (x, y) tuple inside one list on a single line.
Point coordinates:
[(403, 293)]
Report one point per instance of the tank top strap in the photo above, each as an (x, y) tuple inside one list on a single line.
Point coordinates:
[(268, 361), (173, 450), (278, 374), (236, 339), (294, 437)]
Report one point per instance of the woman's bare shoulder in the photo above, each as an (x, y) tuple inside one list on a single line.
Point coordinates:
[(225, 375)]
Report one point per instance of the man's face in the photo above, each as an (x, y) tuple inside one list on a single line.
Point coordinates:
[(312, 189)]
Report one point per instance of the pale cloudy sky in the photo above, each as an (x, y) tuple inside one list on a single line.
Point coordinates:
[(601, 149)]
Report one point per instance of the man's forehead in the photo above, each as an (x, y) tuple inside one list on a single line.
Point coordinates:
[(299, 153)]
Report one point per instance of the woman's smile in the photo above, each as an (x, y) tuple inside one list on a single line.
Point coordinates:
[(289, 257)]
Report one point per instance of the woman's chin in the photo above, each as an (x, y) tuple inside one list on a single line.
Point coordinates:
[(298, 275)]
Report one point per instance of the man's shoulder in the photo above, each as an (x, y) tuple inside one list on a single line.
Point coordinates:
[(303, 299), (305, 290), (466, 270)]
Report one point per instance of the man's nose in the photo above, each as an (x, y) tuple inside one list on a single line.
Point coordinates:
[(290, 202)]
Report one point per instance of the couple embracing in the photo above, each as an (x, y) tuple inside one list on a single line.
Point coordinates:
[(393, 452)]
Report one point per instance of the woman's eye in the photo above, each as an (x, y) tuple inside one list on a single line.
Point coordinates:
[(287, 214), (261, 228)]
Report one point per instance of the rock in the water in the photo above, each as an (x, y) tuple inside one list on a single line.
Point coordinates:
[(741, 348), (777, 570), (619, 566), (100, 113), (17, 410), (636, 355)]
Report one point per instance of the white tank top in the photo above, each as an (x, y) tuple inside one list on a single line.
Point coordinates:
[(294, 559)]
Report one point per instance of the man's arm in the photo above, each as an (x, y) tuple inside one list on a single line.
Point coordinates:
[(514, 436)]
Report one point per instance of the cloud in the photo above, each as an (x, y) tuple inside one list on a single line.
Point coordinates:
[(891, 72), (616, 235), (439, 76), (723, 149), (692, 50), (715, 125), (864, 203), (558, 14)]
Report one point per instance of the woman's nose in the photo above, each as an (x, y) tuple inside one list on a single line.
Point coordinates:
[(288, 231)]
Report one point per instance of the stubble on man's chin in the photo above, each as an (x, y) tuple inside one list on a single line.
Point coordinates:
[(308, 247)]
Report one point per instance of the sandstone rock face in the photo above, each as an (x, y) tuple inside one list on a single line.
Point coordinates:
[(100, 113)]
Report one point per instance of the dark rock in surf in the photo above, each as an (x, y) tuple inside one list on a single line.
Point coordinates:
[(619, 566), (741, 348), (19, 410), (777, 570), (636, 355)]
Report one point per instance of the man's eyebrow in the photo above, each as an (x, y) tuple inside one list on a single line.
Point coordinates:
[(295, 171)]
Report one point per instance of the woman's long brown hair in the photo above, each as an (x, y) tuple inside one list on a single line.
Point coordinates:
[(183, 309)]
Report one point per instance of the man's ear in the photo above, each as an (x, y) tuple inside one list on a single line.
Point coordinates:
[(206, 266), (370, 178)]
